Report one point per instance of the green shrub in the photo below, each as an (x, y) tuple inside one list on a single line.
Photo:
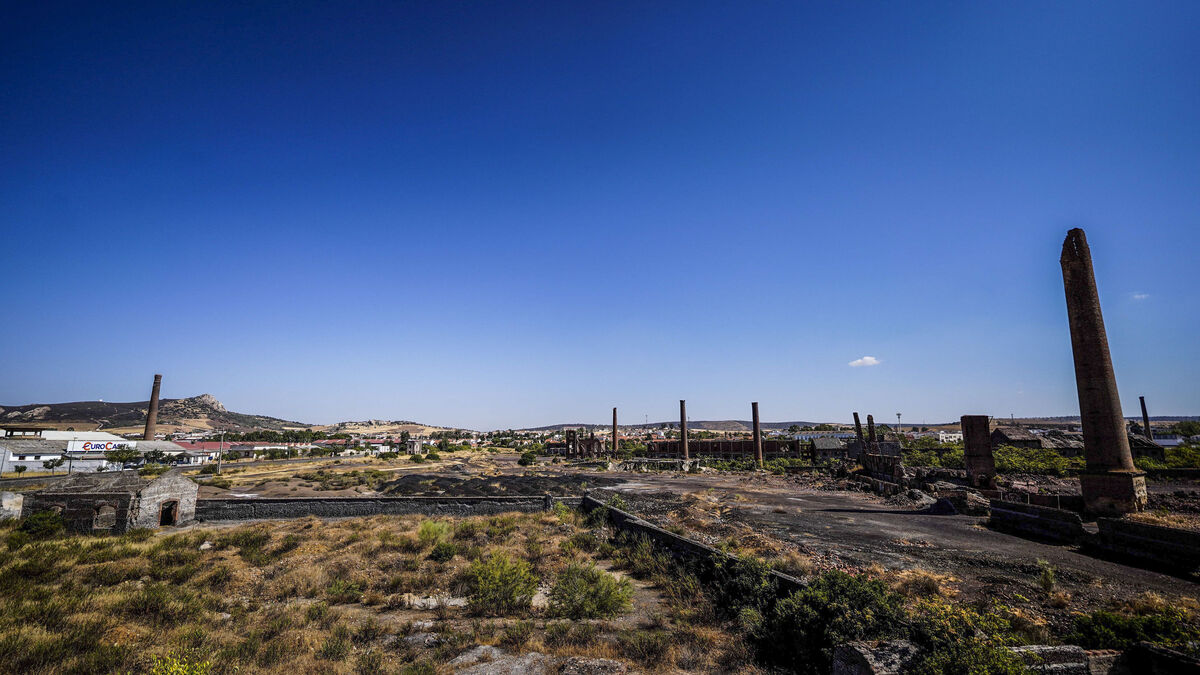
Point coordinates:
[(500, 585), (317, 612), (1110, 630), (432, 456), (1046, 578), (583, 591), (516, 635), (416, 459), (639, 555), (801, 630), (43, 525), (648, 647), (527, 458), (1034, 460), (957, 639), (431, 532), (566, 633), (16, 539), (744, 584), (443, 551), (344, 591)]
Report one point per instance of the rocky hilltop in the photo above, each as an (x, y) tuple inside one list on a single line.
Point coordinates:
[(174, 414)]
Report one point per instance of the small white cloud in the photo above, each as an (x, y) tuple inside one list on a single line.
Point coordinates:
[(1140, 296), (865, 361)]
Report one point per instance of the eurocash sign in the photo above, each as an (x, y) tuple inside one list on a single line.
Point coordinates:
[(98, 446)]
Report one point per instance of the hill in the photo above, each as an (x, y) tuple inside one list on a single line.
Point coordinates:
[(197, 413)]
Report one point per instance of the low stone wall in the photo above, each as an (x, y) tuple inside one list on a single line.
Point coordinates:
[(689, 551), (644, 464), (341, 507), (1038, 522), (1164, 546)]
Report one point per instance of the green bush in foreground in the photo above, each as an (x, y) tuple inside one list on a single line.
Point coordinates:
[(584, 591), (801, 630), (432, 532), (1110, 630), (43, 525), (500, 585)]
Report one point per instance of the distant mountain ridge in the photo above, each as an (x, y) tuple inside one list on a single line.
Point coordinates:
[(201, 412)]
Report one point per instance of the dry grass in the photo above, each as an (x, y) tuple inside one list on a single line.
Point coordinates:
[(916, 583), (1165, 519), (298, 596), (794, 563)]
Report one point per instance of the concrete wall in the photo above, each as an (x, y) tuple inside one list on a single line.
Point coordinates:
[(1162, 546), (701, 557), (1037, 522), (340, 507)]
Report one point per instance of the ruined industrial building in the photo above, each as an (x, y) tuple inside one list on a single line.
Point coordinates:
[(118, 501)]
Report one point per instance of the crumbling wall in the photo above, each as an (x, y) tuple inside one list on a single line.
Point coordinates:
[(883, 467), (344, 507), (169, 487), (79, 511), (702, 557), (1038, 522), (1163, 546)]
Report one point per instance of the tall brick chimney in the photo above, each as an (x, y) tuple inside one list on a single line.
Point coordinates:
[(152, 413), (1111, 484)]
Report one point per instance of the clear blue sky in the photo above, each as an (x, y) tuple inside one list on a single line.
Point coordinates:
[(511, 214)]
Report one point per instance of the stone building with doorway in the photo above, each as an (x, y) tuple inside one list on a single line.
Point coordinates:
[(117, 501)]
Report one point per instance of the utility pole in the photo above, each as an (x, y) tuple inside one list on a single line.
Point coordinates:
[(220, 452)]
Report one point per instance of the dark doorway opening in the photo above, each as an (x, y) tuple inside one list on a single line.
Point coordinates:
[(168, 513)]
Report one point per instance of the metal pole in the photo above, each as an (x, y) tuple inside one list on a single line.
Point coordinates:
[(220, 452)]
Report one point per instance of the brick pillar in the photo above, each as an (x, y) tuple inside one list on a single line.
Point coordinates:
[(977, 450), (615, 442), (1145, 420), (152, 413), (871, 436), (683, 439), (758, 456), (1111, 484), (862, 444)]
